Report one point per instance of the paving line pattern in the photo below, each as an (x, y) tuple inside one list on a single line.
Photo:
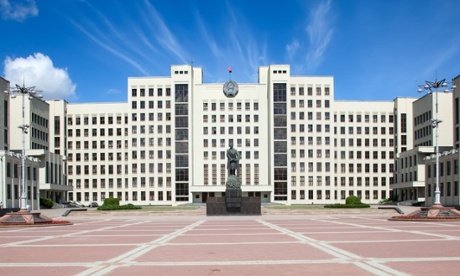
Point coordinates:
[(342, 255), (197, 227)]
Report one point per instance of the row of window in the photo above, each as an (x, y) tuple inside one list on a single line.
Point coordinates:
[(230, 118), (15, 172), (151, 92), (230, 106), (359, 118), (318, 91), (375, 130), (120, 183), (94, 121), (151, 104), (37, 119), (251, 174), (450, 187), (444, 168), (112, 169), (359, 155), (111, 131), (39, 134), (423, 132), (343, 167), (300, 194), (407, 177), (142, 142), (420, 119), (310, 128), (367, 168), (359, 142), (310, 103), (111, 156), (126, 196), (14, 192), (223, 156), (239, 130), (230, 131)]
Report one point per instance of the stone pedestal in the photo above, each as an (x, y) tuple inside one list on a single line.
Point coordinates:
[(24, 217), (233, 200), (233, 204)]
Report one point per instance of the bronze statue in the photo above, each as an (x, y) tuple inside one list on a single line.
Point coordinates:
[(233, 158)]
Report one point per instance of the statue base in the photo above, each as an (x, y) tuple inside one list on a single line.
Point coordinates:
[(233, 204)]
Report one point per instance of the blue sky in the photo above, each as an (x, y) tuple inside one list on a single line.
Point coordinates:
[(84, 51)]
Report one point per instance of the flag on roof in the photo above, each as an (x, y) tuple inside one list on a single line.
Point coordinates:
[(230, 69)]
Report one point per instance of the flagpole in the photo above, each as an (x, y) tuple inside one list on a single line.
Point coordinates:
[(230, 70)]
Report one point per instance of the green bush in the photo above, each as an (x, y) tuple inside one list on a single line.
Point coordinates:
[(111, 202), (384, 200), (118, 207), (352, 200), (46, 203)]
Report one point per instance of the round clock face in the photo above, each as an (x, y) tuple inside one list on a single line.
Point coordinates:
[(230, 88)]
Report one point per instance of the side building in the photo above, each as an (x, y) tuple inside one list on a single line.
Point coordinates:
[(449, 184), (44, 172), (419, 142)]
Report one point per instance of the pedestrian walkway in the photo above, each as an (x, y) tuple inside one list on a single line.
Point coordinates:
[(326, 244)]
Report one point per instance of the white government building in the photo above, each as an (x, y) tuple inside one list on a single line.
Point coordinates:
[(167, 144)]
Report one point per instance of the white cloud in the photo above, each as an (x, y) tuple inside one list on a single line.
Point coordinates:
[(163, 34), (292, 48), (113, 91), (18, 10), (319, 33), (38, 70)]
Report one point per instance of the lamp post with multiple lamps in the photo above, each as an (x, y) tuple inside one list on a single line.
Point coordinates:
[(24, 217), (30, 92), (430, 86)]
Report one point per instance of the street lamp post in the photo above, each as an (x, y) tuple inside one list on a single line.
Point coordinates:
[(31, 92), (429, 85)]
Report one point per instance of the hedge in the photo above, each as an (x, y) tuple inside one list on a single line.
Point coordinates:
[(350, 202), (118, 207), (111, 201), (46, 202)]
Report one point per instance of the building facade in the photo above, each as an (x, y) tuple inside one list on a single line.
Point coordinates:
[(364, 140), (448, 156), (44, 171), (167, 145), (417, 140)]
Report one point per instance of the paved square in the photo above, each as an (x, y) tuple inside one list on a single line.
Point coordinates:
[(355, 244)]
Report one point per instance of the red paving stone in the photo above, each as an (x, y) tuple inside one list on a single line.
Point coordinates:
[(233, 252), (371, 236), (233, 238), (63, 254), (439, 248), (214, 231), (42, 270), (354, 244), (85, 239), (228, 270), (427, 267)]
